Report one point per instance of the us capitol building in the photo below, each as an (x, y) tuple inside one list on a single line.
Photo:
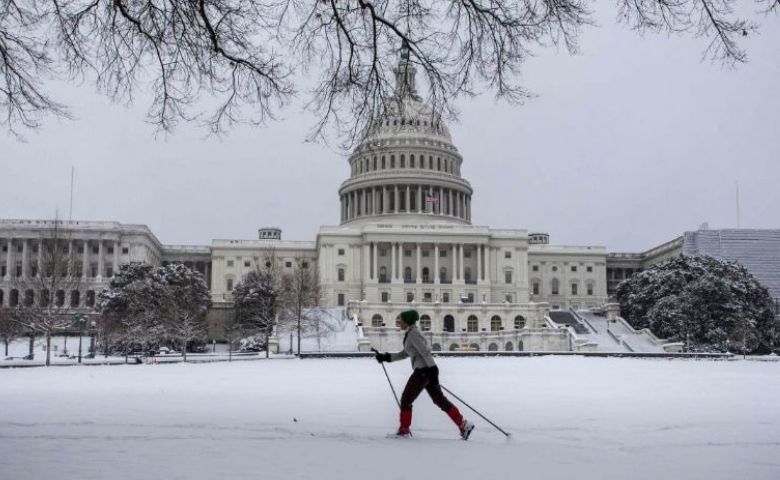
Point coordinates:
[(406, 239)]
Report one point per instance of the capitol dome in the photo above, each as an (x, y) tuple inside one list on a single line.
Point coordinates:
[(406, 167)]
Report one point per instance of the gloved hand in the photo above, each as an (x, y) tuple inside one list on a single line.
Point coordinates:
[(382, 357)]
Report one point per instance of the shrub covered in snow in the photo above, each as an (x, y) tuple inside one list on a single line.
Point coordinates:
[(710, 304)]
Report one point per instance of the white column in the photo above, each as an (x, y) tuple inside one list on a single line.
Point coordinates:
[(460, 261), (450, 210), (84, 260), (417, 274), (479, 263), (25, 259), (420, 205), (395, 200), (401, 260), (100, 259), (392, 261), (408, 196), (8, 259), (436, 263), (366, 262), (376, 273), (454, 270), (116, 257)]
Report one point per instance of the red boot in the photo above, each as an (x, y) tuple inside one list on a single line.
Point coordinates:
[(405, 422), (464, 425)]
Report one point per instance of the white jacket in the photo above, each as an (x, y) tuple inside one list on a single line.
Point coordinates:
[(416, 348)]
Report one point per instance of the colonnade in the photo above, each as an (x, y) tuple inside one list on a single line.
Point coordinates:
[(456, 265), (389, 199)]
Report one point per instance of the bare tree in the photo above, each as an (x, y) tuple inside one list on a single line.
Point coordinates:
[(300, 291), (10, 330), (225, 61), (46, 284)]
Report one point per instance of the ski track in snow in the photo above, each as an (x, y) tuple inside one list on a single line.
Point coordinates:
[(570, 417)]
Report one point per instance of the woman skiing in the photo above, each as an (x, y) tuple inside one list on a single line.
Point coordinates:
[(425, 376)]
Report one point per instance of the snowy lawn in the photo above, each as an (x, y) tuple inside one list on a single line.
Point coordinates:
[(571, 417)]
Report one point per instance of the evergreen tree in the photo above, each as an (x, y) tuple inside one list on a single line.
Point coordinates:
[(255, 300), (710, 304)]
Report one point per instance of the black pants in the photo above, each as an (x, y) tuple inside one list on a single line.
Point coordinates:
[(428, 379)]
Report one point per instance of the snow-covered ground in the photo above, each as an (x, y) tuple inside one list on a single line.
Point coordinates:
[(571, 417)]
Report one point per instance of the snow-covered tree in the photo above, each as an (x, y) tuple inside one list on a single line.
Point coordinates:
[(710, 304), (10, 330), (300, 292), (255, 302), (185, 302)]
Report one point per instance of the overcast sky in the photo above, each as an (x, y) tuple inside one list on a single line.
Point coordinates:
[(627, 145)]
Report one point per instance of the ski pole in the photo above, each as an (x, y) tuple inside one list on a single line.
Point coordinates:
[(388, 380), (474, 410)]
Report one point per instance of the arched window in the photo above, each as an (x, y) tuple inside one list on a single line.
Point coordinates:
[(472, 324), (408, 274), (383, 162), (443, 274), (392, 161), (449, 323), (430, 163), (376, 320), (467, 274), (13, 298), (75, 299), (520, 346), (474, 347), (495, 323), (508, 347), (519, 322), (554, 285), (454, 347), (493, 347), (403, 161), (43, 298), (411, 161), (589, 288), (374, 162), (60, 298), (436, 347), (90, 298), (383, 274), (425, 323), (438, 164), (575, 288), (426, 275), (29, 298)]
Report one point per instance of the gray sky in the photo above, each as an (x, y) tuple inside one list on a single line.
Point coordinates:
[(627, 145)]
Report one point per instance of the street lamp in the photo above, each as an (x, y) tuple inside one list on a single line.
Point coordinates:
[(81, 321)]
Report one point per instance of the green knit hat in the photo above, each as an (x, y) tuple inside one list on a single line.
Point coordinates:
[(410, 316)]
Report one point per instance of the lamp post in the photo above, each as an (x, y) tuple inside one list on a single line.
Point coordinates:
[(81, 321)]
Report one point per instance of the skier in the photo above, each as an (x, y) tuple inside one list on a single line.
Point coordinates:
[(425, 376)]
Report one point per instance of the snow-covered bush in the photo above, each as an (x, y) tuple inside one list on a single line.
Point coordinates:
[(710, 304)]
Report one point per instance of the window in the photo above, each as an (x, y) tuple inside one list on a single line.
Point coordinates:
[(408, 274), (508, 276), (442, 253), (230, 263), (341, 252), (535, 288), (466, 253), (519, 322), (95, 250), (246, 263), (385, 297), (590, 289), (574, 268), (507, 254), (472, 324), (340, 299), (554, 285), (426, 275), (495, 323), (376, 321), (109, 270), (407, 253), (409, 297), (341, 274), (305, 265), (426, 252), (535, 268), (125, 251), (229, 285), (589, 269), (554, 269), (93, 270), (445, 297), (425, 323), (470, 298), (383, 274), (382, 252), (286, 264), (427, 297), (508, 298), (574, 289)]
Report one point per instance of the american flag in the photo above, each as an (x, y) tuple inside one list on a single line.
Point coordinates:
[(431, 198)]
